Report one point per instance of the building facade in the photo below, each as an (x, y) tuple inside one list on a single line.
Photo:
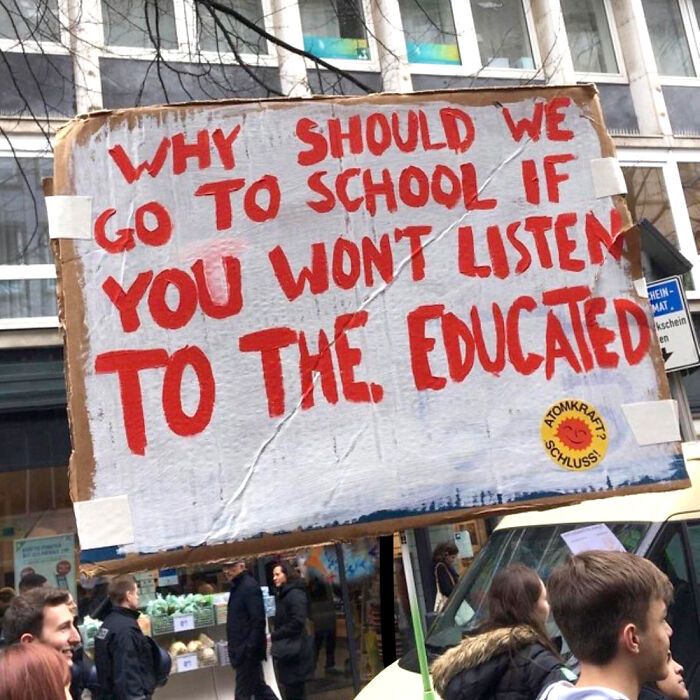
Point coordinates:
[(62, 57)]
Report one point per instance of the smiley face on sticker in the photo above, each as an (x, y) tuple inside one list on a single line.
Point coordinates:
[(574, 435)]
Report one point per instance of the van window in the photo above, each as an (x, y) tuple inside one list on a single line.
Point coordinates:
[(540, 548), (670, 556)]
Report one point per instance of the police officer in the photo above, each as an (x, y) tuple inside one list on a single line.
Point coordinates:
[(123, 654)]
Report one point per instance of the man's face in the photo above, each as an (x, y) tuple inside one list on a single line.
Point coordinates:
[(132, 598), (59, 631), (233, 570), (654, 642)]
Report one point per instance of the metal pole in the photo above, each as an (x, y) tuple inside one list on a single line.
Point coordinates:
[(428, 693), (685, 417), (349, 621)]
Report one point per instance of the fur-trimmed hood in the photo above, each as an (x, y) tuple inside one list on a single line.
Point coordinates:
[(477, 650)]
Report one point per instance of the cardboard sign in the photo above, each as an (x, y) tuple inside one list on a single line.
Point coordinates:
[(674, 325), (301, 320)]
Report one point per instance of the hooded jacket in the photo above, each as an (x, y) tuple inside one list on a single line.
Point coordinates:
[(502, 664), (292, 612), (566, 691)]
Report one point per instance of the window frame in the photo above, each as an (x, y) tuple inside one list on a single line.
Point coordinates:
[(187, 37), (667, 160), (28, 147), (350, 64), (32, 46), (621, 76), (692, 34)]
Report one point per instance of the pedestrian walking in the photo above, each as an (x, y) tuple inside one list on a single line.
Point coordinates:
[(124, 656), (444, 573), (611, 608), (33, 672), (292, 646), (511, 657), (245, 631)]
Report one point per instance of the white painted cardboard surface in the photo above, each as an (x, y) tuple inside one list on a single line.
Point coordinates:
[(470, 443)]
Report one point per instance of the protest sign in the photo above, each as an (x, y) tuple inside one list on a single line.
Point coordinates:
[(297, 320)]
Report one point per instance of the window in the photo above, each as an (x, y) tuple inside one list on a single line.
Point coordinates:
[(589, 36), (24, 247), (140, 24), (672, 560), (668, 37), (647, 199), (501, 33), (218, 35), (334, 28), (430, 33), (35, 20), (690, 179)]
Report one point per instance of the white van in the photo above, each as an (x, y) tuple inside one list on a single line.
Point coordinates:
[(664, 527)]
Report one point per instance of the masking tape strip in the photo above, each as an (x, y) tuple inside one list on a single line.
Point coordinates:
[(69, 216), (607, 177), (653, 422), (104, 522), (640, 286)]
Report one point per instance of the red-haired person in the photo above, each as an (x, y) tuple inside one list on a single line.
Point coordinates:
[(33, 672)]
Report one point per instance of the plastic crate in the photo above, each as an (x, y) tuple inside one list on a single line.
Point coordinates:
[(163, 624)]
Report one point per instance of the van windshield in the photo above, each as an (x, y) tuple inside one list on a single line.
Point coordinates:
[(540, 548)]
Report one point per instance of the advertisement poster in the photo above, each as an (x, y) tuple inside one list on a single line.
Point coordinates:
[(51, 557), (336, 317)]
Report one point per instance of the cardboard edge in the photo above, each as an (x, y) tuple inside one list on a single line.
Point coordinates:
[(68, 274), (271, 544), (88, 124)]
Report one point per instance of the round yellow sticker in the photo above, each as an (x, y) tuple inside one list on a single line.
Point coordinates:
[(574, 435)]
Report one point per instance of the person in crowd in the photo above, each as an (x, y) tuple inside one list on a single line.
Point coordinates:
[(33, 672), (444, 573), (322, 612), (30, 581), (6, 596), (43, 615), (611, 608), (124, 656), (670, 688), (292, 646), (511, 656), (245, 631)]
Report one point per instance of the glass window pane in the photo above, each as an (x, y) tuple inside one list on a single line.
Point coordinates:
[(139, 23), (668, 37), (215, 37), (30, 20), (589, 36), (647, 199), (430, 31), (501, 32), (27, 298), (690, 178), (334, 28), (24, 237)]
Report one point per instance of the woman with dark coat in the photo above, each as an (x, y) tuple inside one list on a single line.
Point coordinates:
[(292, 646), (511, 657), (446, 577)]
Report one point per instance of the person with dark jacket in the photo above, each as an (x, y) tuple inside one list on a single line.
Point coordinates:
[(511, 657), (670, 688), (292, 646), (124, 656), (245, 631)]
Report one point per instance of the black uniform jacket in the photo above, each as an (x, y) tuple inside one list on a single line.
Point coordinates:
[(124, 658), (245, 624), (503, 664)]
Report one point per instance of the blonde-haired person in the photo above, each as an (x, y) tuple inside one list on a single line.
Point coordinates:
[(33, 672)]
